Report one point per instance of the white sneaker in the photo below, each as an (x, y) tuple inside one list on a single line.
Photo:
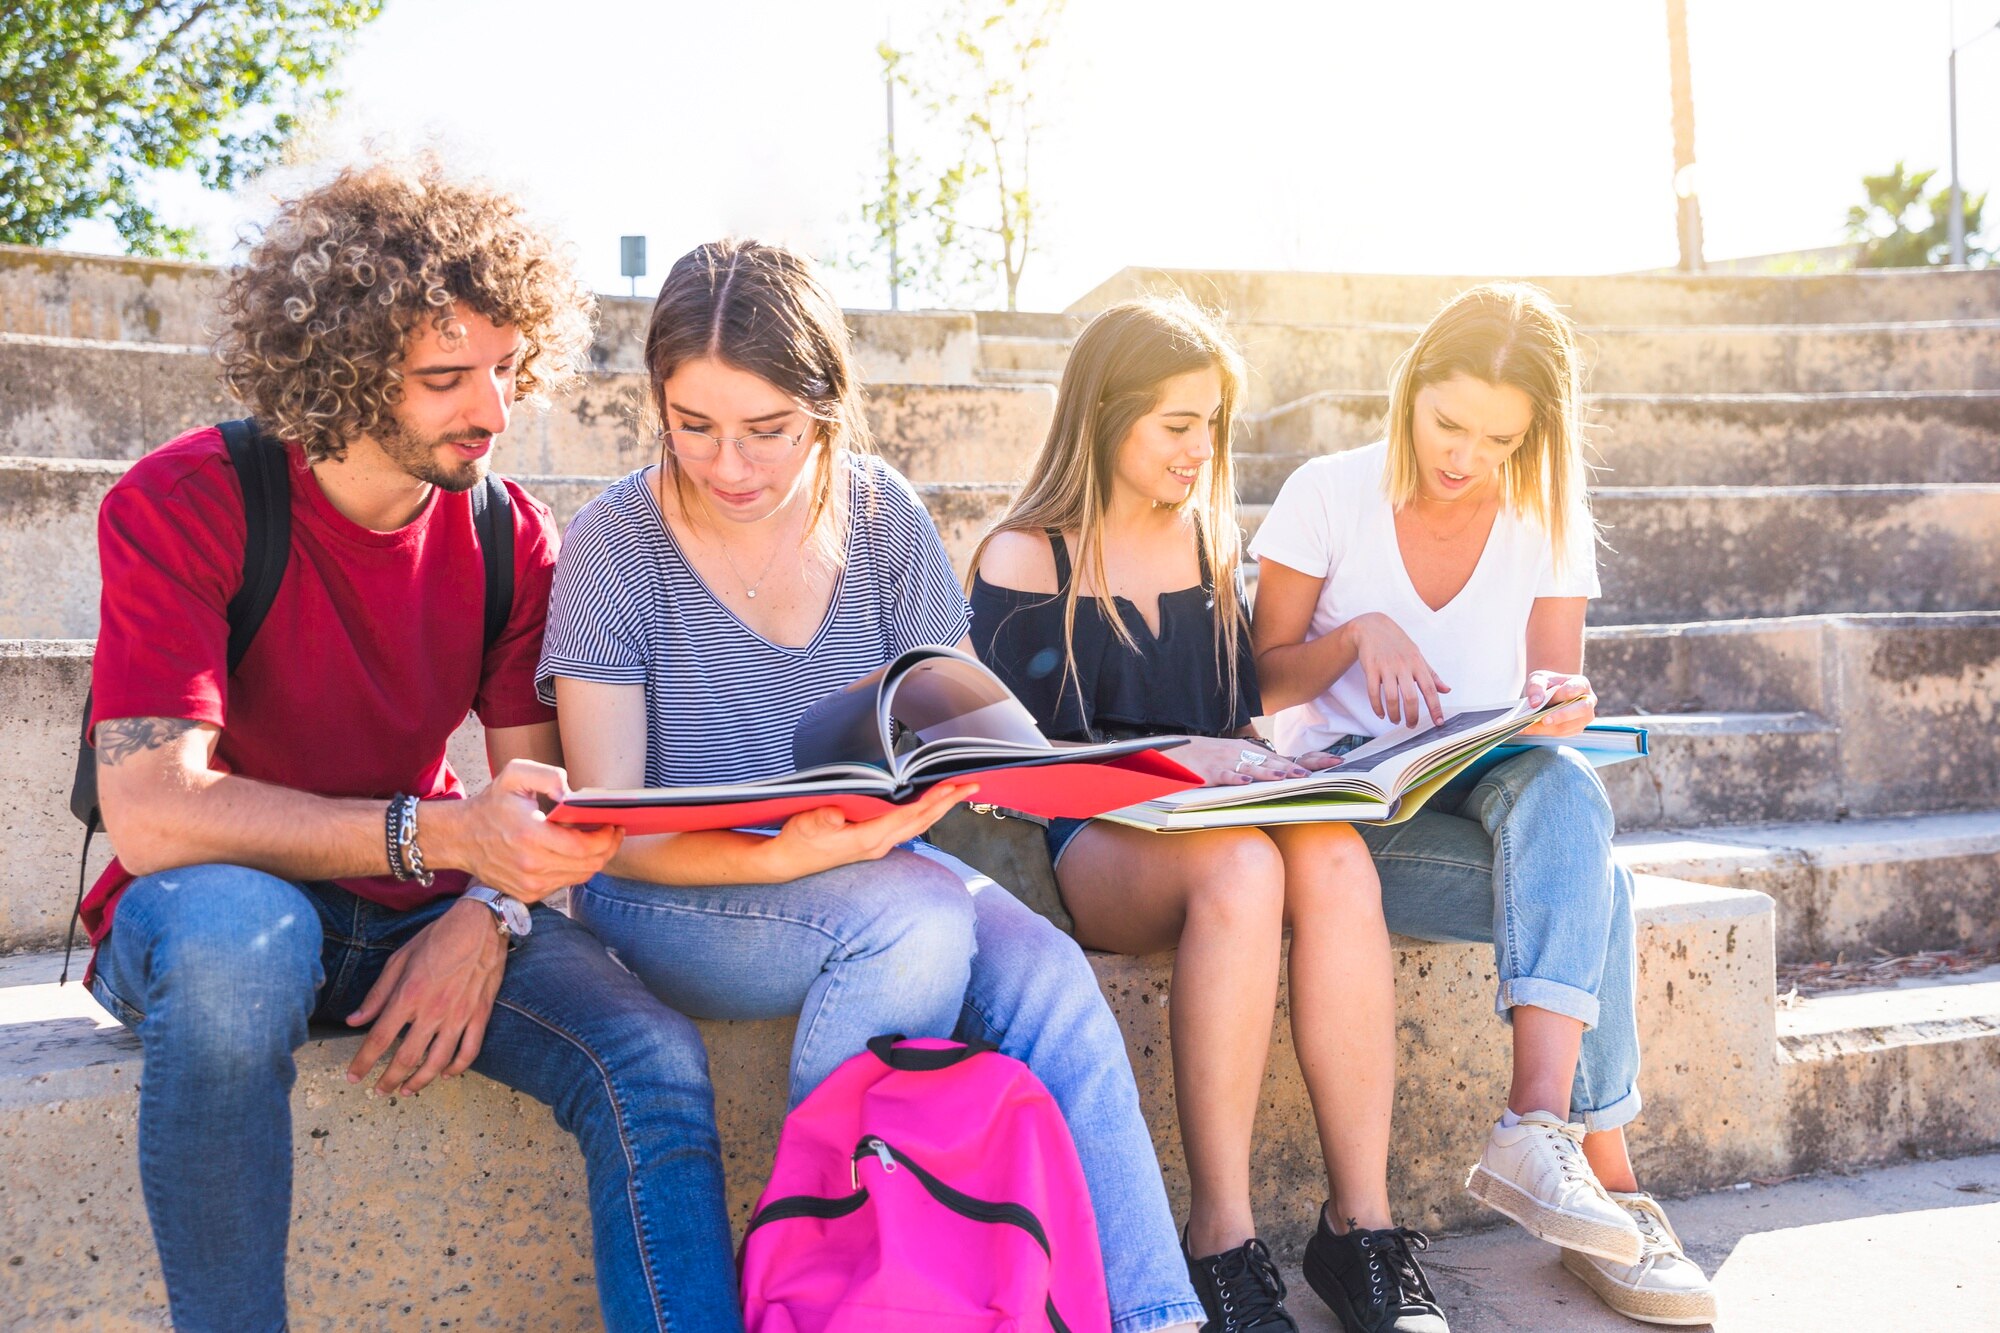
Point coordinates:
[(1536, 1173), (1664, 1287)]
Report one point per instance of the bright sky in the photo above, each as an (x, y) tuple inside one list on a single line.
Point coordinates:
[(1453, 136)]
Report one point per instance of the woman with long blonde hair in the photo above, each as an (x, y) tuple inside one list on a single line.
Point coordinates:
[(1458, 557), (1110, 598)]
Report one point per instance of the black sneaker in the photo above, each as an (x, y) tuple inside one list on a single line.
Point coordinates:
[(1240, 1290), (1372, 1281)]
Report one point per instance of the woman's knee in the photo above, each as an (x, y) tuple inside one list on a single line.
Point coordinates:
[(1235, 881)]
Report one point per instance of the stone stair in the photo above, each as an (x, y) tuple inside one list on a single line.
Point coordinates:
[(1802, 604)]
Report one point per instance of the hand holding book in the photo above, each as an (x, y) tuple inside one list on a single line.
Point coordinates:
[(1558, 687)]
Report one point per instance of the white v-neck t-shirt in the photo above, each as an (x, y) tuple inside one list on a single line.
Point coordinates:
[(1332, 520)]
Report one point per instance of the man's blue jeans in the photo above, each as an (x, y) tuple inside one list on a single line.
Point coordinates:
[(920, 943), (220, 970), (1523, 862)]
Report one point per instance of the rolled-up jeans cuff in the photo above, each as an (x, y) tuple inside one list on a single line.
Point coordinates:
[(1553, 996), (1157, 1317), (1615, 1116)]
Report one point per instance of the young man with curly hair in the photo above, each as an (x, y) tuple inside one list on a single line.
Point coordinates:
[(293, 845)]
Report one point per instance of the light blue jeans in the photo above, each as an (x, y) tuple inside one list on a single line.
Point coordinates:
[(220, 970), (922, 944), (1523, 862)]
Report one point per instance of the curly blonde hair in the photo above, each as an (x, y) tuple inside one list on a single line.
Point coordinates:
[(318, 318)]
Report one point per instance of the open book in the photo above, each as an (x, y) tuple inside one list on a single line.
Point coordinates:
[(968, 727), (1385, 781)]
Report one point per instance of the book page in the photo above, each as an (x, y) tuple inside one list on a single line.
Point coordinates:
[(942, 698)]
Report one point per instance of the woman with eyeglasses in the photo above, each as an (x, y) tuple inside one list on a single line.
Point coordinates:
[(700, 606)]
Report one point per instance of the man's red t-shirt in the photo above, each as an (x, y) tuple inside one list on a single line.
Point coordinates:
[(370, 658)]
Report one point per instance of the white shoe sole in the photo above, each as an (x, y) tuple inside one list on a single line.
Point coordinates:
[(1621, 1245), (1641, 1303)]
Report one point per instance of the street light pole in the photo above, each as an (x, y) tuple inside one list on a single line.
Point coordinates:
[(1955, 224), (1687, 224)]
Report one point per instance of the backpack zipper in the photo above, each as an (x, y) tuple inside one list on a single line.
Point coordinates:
[(965, 1205)]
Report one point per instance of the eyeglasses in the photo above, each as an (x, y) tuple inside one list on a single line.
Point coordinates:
[(763, 449)]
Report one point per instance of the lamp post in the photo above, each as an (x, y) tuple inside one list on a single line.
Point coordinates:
[(1956, 223), (1687, 224)]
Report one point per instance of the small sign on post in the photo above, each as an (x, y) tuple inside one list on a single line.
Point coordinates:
[(632, 259)]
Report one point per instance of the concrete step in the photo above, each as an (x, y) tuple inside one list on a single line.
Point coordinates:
[(61, 294), (1689, 553), (1820, 439), (1289, 362), (393, 1216), (1816, 298), (1015, 353), (1027, 324), (1883, 1075), (1727, 768), (1933, 669), (1901, 885), (66, 398)]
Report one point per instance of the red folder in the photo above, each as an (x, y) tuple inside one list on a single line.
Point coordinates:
[(1067, 790)]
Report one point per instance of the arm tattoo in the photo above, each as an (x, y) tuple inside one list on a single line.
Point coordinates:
[(119, 740)]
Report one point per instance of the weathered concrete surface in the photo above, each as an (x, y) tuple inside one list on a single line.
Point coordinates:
[(1289, 362), (1820, 439), (470, 1205), (1880, 1075), (48, 515), (1822, 298), (68, 295), (1728, 768), (63, 398), (1794, 662), (1716, 552), (467, 1211), (1902, 885), (71, 398), (1803, 1255), (1041, 356)]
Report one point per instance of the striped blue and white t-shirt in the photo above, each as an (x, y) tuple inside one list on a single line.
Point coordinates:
[(721, 700)]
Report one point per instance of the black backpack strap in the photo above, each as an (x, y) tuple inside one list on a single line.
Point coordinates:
[(263, 469), (493, 521)]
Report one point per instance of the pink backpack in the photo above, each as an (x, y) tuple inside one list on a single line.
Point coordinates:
[(928, 1186)]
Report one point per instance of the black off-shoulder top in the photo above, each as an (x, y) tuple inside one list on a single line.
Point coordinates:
[(1170, 686)]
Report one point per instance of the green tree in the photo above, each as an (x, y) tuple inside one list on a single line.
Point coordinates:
[(963, 206), (1902, 226), (97, 94)]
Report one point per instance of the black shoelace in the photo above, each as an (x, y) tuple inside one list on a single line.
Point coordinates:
[(1393, 1271), (1248, 1285)]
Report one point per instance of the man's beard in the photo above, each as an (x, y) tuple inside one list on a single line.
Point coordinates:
[(418, 456)]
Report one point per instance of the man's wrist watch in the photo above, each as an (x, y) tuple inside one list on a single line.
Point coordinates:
[(512, 913)]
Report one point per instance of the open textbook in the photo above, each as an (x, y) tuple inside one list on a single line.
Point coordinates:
[(968, 727), (1383, 782)]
